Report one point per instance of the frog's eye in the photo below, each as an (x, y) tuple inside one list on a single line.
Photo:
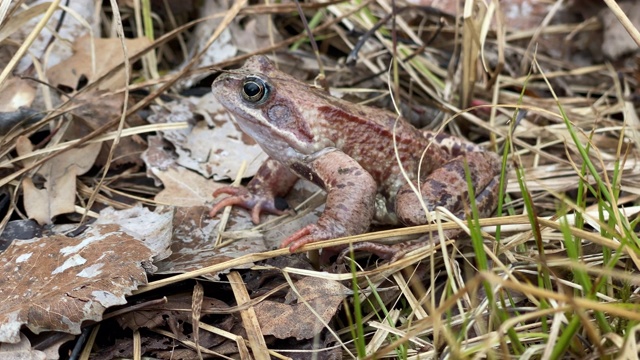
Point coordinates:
[(255, 90)]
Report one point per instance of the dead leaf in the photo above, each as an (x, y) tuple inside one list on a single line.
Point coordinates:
[(617, 41), (20, 351), (183, 187), (215, 147), (221, 49), (283, 320), (152, 317), (248, 33), (16, 93), (59, 189), (57, 283), (67, 29), (106, 55), (158, 156), (92, 110), (153, 228), (193, 246)]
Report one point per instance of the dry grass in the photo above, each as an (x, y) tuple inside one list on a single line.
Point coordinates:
[(554, 276)]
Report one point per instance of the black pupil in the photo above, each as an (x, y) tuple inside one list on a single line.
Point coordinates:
[(251, 89)]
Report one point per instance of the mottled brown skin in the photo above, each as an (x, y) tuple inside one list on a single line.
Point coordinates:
[(348, 150)]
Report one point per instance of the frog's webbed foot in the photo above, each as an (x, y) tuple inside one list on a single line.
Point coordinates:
[(240, 196), (272, 179)]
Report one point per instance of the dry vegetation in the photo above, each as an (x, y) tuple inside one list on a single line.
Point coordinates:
[(553, 275)]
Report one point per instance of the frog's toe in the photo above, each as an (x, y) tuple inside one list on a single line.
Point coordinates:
[(307, 235), (230, 201), (297, 239), (265, 205), (231, 190), (385, 252), (240, 196)]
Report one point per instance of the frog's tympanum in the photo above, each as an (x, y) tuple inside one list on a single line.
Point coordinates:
[(348, 150)]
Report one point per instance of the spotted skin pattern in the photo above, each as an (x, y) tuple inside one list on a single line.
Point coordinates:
[(348, 150)]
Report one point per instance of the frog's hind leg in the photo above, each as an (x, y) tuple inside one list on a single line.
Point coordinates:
[(447, 187), (486, 201)]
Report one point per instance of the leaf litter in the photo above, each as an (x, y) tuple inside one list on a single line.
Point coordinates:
[(89, 264), (68, 280)]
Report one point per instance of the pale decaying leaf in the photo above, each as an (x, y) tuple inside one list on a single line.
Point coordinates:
[(57, 283), (252, 33), (284, 320), (221, 49), (153, 228), (617, 41), (157, 156), (16, 92), (21, 350), (108, 54), (215, 147), (246, 34), (58, 193), (193, 245)]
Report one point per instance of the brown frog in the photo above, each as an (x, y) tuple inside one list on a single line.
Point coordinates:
[(348, 150)]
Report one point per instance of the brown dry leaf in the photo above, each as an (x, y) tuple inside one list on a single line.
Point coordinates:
[(193, 245), (226, 145), (123, 348), (246, 33), (183, 187), (108, 54), (92, 110), (171, 312), (57, 283), (283, 320), (59, 189), (20, 351)]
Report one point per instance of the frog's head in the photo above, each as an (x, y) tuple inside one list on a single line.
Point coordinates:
[(270, 106)]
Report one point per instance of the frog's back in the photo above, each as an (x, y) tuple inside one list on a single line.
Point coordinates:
[(367, 135), (316, 120)]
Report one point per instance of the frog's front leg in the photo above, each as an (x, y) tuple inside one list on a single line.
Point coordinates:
[(447, 187), (351, 193), (272, 180)]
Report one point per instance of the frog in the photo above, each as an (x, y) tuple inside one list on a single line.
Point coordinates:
[(355, 153)]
